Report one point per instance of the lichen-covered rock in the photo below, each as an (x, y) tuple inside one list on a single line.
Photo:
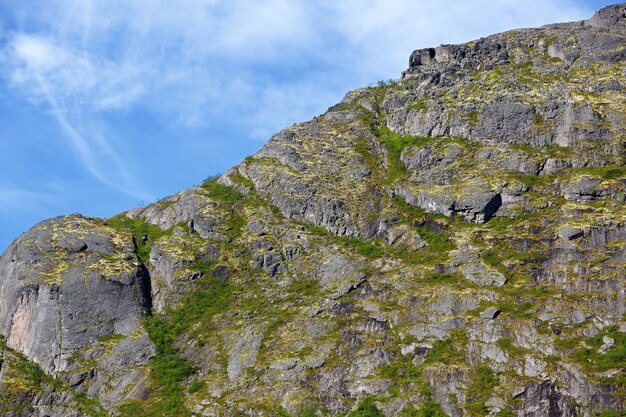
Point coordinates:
[(68, 284), (452, 243)]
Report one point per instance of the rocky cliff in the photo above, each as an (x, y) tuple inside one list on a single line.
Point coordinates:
[(453, 243)]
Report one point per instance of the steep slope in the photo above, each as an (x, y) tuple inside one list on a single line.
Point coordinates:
[(452, 243)]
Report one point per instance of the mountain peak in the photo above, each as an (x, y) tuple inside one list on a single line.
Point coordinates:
[(609, 17)]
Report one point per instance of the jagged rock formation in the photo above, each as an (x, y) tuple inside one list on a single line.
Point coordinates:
[(453, 243)]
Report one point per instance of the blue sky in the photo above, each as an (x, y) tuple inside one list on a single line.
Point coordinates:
[(109, 104)]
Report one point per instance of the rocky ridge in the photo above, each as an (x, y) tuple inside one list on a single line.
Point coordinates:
[(452, 243)]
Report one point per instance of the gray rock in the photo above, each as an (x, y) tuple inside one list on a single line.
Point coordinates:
[(544, 400), (570, 233), (467, 261), (243, 352), (340, 275), (59, 296), (579, 317), (609, 17), (490, 314), (66, 284), (511, 123), (607, 343)]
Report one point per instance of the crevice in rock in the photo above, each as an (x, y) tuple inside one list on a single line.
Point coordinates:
[(143, 282), (492, 207), (144, 288)]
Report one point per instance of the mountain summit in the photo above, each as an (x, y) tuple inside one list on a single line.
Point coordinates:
[(449, 244)]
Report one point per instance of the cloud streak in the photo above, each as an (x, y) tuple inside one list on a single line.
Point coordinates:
[(68, 83), (13, 199)]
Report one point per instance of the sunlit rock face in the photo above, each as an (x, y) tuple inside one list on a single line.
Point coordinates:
[(451, 243)]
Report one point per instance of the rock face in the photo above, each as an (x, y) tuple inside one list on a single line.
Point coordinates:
[(68, 284), (453, 243)]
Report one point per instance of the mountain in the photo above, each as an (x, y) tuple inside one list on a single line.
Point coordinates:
[(451, 243)]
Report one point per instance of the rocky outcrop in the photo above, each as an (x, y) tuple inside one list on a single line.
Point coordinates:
[(69, 285), (516, 107)]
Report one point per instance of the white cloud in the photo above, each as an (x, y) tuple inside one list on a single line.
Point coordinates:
[(69, 74)]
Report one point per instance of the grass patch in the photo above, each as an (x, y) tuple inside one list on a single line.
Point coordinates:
[(35, 379), (610, 172), (238, 178), (144, 234), (401, 372), (478, 391), (534, 181), (427, 408), (213, 296), (204, 267), (221, 193), (613, 358), (371, 250), (196, 386), (367, 408), (395, 144), (111, 338), (169, 369), (437, 250), (507, 345), (418, 106), (28, 370), (448, 351), (89, 406), (611, 413), (300, 289)]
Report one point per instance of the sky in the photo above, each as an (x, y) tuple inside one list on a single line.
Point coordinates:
[(106, 105)]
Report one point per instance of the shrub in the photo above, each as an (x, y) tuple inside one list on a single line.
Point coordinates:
[(144, 233), (367, 408), (220, 192)]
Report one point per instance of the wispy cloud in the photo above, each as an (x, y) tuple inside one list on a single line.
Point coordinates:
[(73, 85), (14, 199)]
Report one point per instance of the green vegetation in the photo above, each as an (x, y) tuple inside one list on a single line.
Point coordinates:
[(367, 408), (448, 351), (534, 181), (472, 118), (169, 369), (27, 369), (234, 201), (438, 246), (196, 386), (308, 412), (111, 338), (614, 358), (144, 234), (89, 406), (395, 144), (204, 267), (610, 172), (611, 413), (401, 372), (34, 379), (436, 251), (418, 106), (428, 407), (479, 390), (221, 193), (212, 296)]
